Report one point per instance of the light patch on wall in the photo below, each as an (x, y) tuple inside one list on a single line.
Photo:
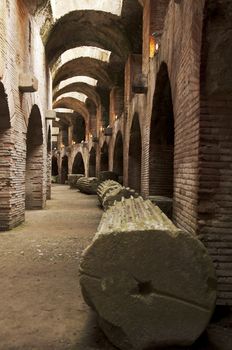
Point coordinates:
[(63, 110), (83, 51), (77, 79), (61, 7), (77, 95)]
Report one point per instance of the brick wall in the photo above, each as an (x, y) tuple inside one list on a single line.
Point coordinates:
[(21, 51), (215, 147), (153, 22)]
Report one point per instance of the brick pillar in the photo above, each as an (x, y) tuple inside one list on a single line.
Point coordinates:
[(35, 167), (5, 179)]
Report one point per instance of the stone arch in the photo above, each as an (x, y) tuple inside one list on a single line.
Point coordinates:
[(34, 196), (64, 170), (104, 166), (88, 28), (87, 66), (84, 88), (78, 166), (162, 137), (118, 156), (92, 162), (215, 142), (135, 150)]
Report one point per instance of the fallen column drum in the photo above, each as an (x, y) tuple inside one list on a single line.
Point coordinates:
[(87, 185), (151, 284)]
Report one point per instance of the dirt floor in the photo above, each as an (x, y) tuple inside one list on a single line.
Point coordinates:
[(41, 306)]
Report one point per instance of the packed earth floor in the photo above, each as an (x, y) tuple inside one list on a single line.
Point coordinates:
[(41, 307)]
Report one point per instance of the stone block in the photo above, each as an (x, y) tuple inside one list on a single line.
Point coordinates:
[(51, 115), (140, 85), (27, 82)]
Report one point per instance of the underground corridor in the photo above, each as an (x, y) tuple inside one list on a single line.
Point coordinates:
[(115, 175)]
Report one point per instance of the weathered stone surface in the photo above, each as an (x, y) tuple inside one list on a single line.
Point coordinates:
[(72, 179), (116, 195), (108, 175), (105, 187), (164, 203), (167, 299), (87, 185)]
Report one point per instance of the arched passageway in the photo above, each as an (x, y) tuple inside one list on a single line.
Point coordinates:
[(78, 165), (118, 156), (64, 170), (92, 163), (135, 149), (79, 128), (162, 138), (35, 194), (5, 137), (55, 168), (104, 157)]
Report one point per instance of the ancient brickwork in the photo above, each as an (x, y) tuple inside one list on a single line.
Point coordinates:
[(21, 51)]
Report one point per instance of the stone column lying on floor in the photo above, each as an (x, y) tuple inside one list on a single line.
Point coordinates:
[(151, 284), (72, 179), (87, 185), (111, 191), (105, 187)]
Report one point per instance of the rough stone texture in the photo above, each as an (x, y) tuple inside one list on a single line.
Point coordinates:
[(110, 191), (118, 194), (87, 185), (72, 179), (167, 299), (105, 187), (164, 203)]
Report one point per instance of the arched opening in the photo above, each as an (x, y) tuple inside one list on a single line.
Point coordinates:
[(78, 165), (162, 138), (104, 158), (79, 128), (55, 169), (35, 196), (135, 149), (118, 157), (5, 178), (64, 170), (215, 148), (92, 163)]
